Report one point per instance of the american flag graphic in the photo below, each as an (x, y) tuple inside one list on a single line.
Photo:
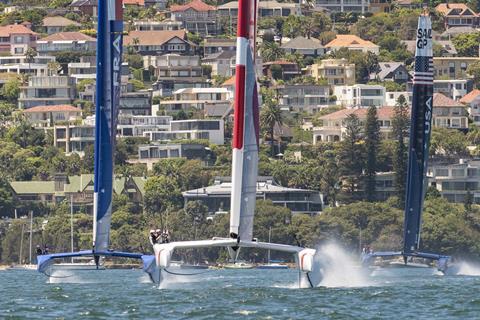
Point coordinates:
[(423, 73)]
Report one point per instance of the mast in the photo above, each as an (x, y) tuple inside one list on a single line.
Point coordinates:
[(30, 240), (420, 130), (21, 245), (246, 126), (109, 61), (71, 225)]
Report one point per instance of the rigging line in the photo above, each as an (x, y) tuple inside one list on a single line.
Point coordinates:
[(185, 274)]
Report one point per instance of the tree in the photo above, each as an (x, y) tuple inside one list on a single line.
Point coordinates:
[(270, 51), (372, 142), (11, 90), (270, 115), (400, 124), (474, 70), (466, 44), (30, 55), (25, 135), (161, 193), (448, 142), (350, 158)]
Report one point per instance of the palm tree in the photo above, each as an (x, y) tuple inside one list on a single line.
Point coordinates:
[(30, 57), (271, 51), (270, 116), (53, 68)]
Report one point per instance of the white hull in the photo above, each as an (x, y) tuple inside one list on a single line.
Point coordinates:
[(310, 269), (28, 267)]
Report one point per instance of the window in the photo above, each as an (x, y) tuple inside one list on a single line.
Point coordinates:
[(442, 172), (18, 39), (458, 172), (19, 50)]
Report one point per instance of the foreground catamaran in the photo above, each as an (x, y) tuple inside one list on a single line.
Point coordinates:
[(420, 130), (109, 61), (244, 168)]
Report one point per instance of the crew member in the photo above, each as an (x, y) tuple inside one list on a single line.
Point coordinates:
[(39, 250), (153, 237)]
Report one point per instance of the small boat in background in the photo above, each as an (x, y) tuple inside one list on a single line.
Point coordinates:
[(238, 265), (272, 266)]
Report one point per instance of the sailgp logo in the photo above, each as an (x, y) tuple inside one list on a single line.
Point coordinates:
[(428, 119), (117, 59)]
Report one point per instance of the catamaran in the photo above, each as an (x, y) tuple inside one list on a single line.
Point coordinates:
[(420, 131), (244, 169), (109, 61)]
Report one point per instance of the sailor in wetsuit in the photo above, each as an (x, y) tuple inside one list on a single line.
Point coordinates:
[(153, 237)]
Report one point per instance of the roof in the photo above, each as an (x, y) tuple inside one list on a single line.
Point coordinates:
[(469, 97), (350, 40), (67, 36), (33, 187), (6, 31), (58, 21), (453, 31), (153, 37), (226, 54), (441, 100), (218, 42), (386, 68), (264, 4), (280, 62), (134, 3), (229, 82), (382, 113), (457, 8), (57, 108), (197, 5), (447, 45), (302, 43)]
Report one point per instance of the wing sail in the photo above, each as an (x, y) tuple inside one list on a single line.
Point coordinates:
[(246, 126), (109, 57), (420, 130)]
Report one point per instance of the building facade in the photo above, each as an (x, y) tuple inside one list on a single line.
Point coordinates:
[(335, 71)]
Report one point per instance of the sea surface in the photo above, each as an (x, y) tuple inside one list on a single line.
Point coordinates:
[(240, 294)]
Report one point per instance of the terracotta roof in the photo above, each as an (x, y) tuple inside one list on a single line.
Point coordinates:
[(229, 82), (469, 97), (134, 2), (57, 108), (6, 31), (361, 113), (153, 37), (197, 5), (441, 100), (445, 8), (349, 40), (68, 36), (58, 22)]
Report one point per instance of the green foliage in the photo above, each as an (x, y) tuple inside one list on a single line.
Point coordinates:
[(271, 51), (11, 90), (25, 135), (474, 70), (270, 115), (391, 86), (82, 83), (137, 84), (400, 125), (365, 63), (466, 44), (449, 142)]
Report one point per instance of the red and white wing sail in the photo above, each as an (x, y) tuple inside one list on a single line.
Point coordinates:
[(246, 126)]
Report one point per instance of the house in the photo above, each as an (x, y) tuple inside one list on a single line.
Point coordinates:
[(222, 63), (15, 39), (134, 126), (197, 98), (36, 69), (360, 95), (86, 7), (78, 189), (391, 71), (448, 48), (157, 4), (154, 25), (267, 8), (472, 102), (457, 15), (57, 24), (343, 5), (303, 97), (174, 72), (47, 91), (452, 32), (215, 45), (66, 41), (335, 71), (281, 69), (73, 138), (159, 42), (452, 88), (136, 103), (48, 116), (455, 181), (448, 113), (309, 47), (196, 16), (193, 129), (151, 153), (353, 43), (8, 60), (217, 196), (333, 125), (391, 97), (452, 67), (379, 6)]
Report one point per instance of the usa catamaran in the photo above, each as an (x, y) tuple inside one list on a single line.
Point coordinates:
[(420, 130), (245, 155)]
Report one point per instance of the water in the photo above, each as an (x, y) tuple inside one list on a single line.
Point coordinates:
[(239, 294)]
